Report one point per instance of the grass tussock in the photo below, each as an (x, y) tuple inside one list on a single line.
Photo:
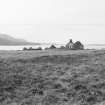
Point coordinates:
[(70, 79)]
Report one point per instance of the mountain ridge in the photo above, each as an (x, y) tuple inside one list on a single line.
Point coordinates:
[(9, 40)]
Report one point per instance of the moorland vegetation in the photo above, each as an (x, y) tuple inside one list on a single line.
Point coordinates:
[(52, 78)]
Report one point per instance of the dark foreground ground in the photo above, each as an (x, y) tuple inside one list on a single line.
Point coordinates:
[(52, 77)]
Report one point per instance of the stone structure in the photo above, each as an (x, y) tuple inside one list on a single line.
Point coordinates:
[(69, 45)]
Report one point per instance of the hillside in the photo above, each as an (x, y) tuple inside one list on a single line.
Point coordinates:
[(8, 40)]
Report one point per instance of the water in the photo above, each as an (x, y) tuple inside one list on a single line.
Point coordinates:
[(21, 47), (94, 46), (43, 46)]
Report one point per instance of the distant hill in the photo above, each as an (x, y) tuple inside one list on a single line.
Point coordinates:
[(8, 40)]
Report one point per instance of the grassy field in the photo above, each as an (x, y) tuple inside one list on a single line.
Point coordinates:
[(52, 77)]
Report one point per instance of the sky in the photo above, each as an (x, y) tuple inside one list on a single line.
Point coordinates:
[(54, 21)]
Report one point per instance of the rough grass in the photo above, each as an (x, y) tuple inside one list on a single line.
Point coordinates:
[(52, 77)]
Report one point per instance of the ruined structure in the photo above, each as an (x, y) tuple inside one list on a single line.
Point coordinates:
[(69, 45)]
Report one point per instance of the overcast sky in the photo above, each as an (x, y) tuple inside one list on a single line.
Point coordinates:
[(54, 20)]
